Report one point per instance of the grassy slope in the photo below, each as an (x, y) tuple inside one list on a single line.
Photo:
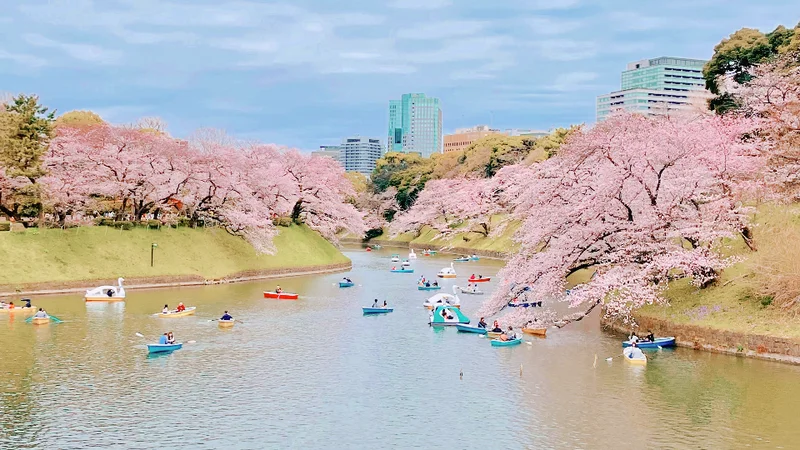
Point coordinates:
[(100, 252), (741, 300)]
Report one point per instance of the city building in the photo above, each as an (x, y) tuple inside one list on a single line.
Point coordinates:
[(526, 132), (659, 86), (360, 154), (464, 137), (415, 125), (330, 151)]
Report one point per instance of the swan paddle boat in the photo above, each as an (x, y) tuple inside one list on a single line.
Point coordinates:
[(636, 360), (395, 258), (479, 279), (470, 329), (226, 323), (163, 348), (106, 293), (658, 342), (402, 270), (412, 255), (406, 263), (443, 300), (508, 343), (281, 295), (368, 311), (447, 272), (462, 259), (176, 314), (346, 284), (535, 331), (470, 290), (422, 287), (453, 316)]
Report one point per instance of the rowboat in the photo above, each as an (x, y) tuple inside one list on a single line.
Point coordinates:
[(428, 288), (493, 334), (480, 280), (470, 329), (369, 249), (395, 258), (226, 323), (346, 284), (402, 270), (636, 361), (471, 291), (19, 310), (163, 348), (474, 258), (281, 296), (376, 310), (377, 246), (176, 314), (499, 343), (40, 320), (462, 259), (658, 342), (535, 331)]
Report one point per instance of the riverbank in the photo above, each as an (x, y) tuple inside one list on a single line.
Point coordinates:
[(54, 261)]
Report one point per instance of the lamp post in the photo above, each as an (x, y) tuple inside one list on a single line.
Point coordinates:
[(152, 252)]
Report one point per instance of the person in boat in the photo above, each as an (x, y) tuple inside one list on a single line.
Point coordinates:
[(385, 304), (278, 290), (650, 337), (427, 284), (163, 340), (394, 267), (170, 338), (349, 280), (165, 310), (10, 305), (496, 327), (41, 314), (435, 283), (472, 277), (633, 352), (27, 303), (110, 293), (180, 307), (226, 316), (375, 304), (481, 323), (633, 338)]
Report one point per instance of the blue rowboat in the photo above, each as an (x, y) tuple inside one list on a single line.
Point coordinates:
[(499, 343), (470, 329), (163, 348), (377, 310), (428, 288), (659, 342), (403, 271), (465, 259), (475, 258), (344, 284)]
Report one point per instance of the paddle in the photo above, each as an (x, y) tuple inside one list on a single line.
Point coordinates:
[(612, 357), (55, 319)]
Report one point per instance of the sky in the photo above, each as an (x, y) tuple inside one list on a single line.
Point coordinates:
[(306, 73)]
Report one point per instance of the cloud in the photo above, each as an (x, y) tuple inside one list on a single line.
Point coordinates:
[(442, 29), (566, 49), (551, 4), (420, 4), (82, 52), (23, 59), (573, 81), (552, 26)]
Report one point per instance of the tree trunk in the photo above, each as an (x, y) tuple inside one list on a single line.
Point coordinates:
[(749, 240), (296, 211)]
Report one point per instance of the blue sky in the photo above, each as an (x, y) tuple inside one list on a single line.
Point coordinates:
[(308, 72)]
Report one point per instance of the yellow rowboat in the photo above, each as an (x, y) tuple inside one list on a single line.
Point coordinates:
[(636, 361), (226, 323), (535, 331), (174, 314), (40, 320), (19, 310), (493, 334)]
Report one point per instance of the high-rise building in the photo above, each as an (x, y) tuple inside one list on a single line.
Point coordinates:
[(359, 154), (415, 125), (330, 151), (464, 137), (659, 86)]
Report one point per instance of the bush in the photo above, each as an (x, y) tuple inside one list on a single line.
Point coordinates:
[(373, 233), (154, 224), (123, 224), (184, 222), (282, 222), (766, 300), (5, 226)]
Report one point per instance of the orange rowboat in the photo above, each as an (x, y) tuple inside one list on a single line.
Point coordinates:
[(281, 296)]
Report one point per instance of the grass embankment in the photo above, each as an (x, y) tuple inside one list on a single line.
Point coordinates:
[(753, 295), (91, 253)]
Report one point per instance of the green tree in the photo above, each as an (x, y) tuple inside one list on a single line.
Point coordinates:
[(25, 131), (79, 119), (408, 172)]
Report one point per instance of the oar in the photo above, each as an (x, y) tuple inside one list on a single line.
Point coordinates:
[(55, 319), (29, 319), (610, 358), (139, 334)]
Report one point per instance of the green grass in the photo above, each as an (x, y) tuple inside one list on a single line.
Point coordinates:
[(100, 252), (749, 295)]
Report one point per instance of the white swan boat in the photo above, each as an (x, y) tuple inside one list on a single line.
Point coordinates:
[(447, 272), (473, 290), (395, 258), (106, 293), (412, 255), (443, 300), (406, 263)]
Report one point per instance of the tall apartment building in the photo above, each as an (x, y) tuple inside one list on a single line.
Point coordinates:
[(330, 151), (415, 125), (657, 86), (360, 154)]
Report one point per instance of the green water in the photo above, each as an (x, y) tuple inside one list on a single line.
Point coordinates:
[(315, 373)]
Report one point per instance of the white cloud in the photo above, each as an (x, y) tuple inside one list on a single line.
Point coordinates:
[(566, 49), (552, 26), (23, 59), (83, 52), (573, 81), (442, 29), (551, 4), (420, 4)]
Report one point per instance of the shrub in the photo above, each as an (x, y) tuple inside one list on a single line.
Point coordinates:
[(282, 222), (154, 224), (123, 224), (5, 226), (373, 233)]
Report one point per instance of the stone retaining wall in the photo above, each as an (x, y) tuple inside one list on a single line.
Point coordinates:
[(30, 289), (772, 348), (440, 249)]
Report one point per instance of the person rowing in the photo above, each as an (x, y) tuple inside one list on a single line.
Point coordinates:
[(435, 283), (385, 304), (180, 307), (41, 314), (375, 304), (509, 335), (650, 337), (482, 323), (496, 327), (633, 352), (278, 290), (226, 316), (163, 340), (27, 303), (165, 310)]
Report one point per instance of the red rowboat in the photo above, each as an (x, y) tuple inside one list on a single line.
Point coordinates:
[(281, 296), (480, 280)]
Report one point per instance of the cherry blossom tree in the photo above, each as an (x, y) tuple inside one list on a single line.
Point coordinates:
[(638, 200), (375, 206)]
